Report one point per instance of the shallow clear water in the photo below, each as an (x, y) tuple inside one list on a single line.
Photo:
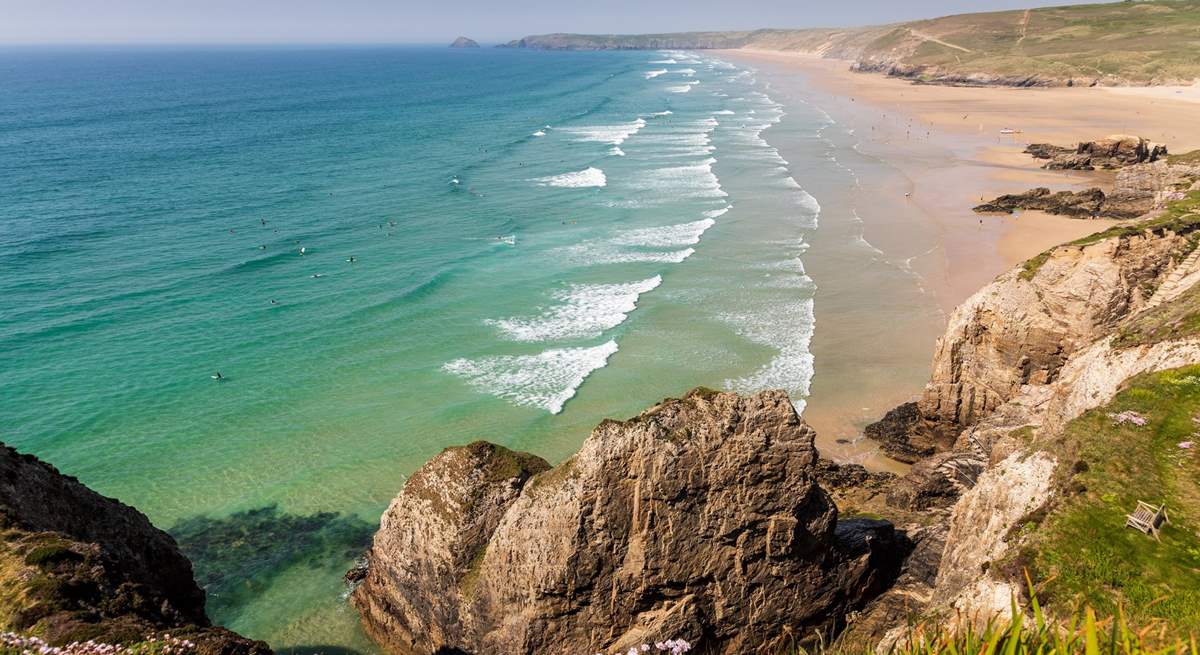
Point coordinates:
[(171, 213)]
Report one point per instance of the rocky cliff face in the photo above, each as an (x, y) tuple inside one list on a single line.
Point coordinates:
[(699, 519), (75, 565), (1034, 350), (1022, 328)]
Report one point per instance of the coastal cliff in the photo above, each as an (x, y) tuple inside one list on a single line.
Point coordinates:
[(700, 519), (711, 518), (76, 566), (1036, 424), (1142, 43)]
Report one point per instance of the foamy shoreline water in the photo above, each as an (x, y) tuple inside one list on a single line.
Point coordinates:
[(508, 270)]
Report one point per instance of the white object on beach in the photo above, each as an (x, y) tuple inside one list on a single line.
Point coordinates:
[(1009, 130)]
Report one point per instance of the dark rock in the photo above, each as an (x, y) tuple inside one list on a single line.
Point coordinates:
[(464, 42), (699, 519), (1089, 203), (925, 486), (835, 476), (907, 436), (908, 597), (80, 566)]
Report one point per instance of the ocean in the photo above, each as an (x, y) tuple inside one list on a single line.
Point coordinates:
[(383, 251)]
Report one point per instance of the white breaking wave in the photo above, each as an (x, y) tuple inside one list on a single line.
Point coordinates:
[(540, 133), (664, 61), (616, 151), (546, 380), (666, 236), (662, 113), (653, 74), (714, 213), (679, 89), (808, 202), (724, 112), (787, 327), (589, 177), (686, 72), (587, 311), (613, 135), (694, 180), (610, 253)]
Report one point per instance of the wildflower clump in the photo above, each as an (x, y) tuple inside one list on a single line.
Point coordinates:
[(672, 646), (1129, 417), (12, 643)]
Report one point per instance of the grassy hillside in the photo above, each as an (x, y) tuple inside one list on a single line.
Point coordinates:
[(1082, 549), (1154, 42), (1126, 41)]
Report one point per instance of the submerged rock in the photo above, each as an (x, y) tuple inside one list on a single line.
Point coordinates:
[(699, 519), (76, 566)]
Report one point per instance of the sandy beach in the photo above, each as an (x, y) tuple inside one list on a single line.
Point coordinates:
[(932, 153)]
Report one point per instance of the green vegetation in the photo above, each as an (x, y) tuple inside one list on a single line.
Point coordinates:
[(1181, 217), (1178, 319), (1137, 42), (1043, 636), (1192, 157), (1082, 549), (1132, 42)]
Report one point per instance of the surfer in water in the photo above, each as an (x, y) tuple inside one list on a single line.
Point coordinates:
[(218, 376), (352, 259)]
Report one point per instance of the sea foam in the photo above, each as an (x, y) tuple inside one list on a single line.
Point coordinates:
[(654, 73), (546, 380), (666, 236), (589, 177), (613, 135), (585, 311)]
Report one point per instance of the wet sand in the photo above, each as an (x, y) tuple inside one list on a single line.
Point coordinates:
[(874, 335)]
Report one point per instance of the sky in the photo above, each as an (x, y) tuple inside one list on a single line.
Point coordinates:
[(433, 21)]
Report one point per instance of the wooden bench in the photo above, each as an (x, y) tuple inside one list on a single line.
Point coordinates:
[(1147, 518)]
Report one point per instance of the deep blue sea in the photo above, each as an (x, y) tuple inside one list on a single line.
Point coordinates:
[(383, 252)]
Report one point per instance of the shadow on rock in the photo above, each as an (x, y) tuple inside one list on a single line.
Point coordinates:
[(236, 557)]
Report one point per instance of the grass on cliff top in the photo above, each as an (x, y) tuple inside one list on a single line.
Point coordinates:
[(1135, 41), (1082, 550), (1180, 216)]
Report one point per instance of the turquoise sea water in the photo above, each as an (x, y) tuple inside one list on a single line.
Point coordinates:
[(539, 240)]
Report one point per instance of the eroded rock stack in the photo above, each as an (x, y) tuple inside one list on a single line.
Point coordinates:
[(699, 519)]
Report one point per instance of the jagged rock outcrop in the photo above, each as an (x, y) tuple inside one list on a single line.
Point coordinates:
[(1113, 152), (699, 519), (464, 42), (1089, 203), (75, 565)]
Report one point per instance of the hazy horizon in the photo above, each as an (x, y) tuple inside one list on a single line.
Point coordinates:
[(147, 22)]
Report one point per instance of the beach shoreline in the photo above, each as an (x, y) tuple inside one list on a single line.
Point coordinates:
[(938, 151)]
